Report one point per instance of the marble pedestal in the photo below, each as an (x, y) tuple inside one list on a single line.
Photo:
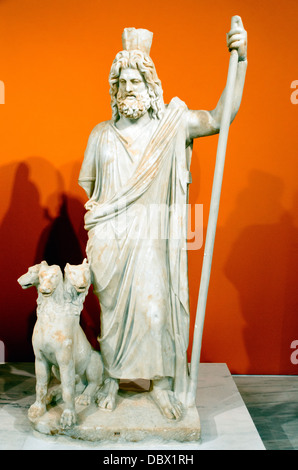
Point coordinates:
[(225, 421), (136, 418)]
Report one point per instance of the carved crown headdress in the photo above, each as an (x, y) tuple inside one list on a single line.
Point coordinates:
[(140, 39)]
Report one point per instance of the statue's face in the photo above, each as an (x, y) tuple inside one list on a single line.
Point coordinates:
[(133, 98), (131, 83)]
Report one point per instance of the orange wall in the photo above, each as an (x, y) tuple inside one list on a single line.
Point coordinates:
[(55, 60)]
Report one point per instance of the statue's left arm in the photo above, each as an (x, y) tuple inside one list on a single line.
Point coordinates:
[(203, 123)]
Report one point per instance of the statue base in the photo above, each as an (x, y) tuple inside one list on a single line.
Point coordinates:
[(135, 418)]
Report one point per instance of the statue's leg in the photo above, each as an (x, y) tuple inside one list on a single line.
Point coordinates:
[(67, 374), (55, 393), (106, 397), (94, 373), (165, 399), (42, 371)]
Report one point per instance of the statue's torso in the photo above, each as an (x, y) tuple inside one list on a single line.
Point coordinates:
[(120, 156)]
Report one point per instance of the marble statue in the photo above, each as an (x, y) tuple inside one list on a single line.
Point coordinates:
[(135, 164), (59, 343), (136, 174)]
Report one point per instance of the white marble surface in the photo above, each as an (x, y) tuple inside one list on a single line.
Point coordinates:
[(226, 423)]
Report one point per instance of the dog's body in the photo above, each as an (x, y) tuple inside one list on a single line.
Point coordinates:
[(89, 366), (58, 339)]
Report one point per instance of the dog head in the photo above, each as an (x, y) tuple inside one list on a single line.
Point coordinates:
[(31, 277), (79, 276), (49, 279)]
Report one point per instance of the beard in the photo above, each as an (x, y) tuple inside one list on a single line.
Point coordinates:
[(133, 106)]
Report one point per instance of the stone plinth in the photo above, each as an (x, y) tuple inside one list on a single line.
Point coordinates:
[(225, 421), (135, 418)]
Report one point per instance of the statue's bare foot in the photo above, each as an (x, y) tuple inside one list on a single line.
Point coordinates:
[(106, 396), (165, 399), (168, 404)]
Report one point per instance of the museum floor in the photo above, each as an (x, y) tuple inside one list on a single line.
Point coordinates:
[(272, 402), (236, 413)]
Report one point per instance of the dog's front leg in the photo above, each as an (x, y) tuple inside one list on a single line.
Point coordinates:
[(42, 372), (67, 374)]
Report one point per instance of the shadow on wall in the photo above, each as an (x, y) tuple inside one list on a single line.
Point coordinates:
[(262, 265), (58, 243), (29, 233)]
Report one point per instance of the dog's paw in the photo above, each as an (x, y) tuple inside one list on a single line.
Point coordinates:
[(83, 399), (68, 418), (36, 410)]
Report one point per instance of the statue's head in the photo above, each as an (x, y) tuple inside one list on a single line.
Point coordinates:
[(134, 85)]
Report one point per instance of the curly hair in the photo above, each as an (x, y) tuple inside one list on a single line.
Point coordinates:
[(140, 61)]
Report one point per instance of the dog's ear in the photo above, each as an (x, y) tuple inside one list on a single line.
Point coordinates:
[(85, 261), (67, 266), (44, 263)]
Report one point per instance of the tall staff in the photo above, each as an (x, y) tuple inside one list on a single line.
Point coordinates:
[(212, 221)]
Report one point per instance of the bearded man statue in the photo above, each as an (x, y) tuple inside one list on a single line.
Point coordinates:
[(135, 164)]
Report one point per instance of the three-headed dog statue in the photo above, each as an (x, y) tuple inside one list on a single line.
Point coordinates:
[(59, 343)]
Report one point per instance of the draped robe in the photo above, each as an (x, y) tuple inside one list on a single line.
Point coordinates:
[(137, 227)]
